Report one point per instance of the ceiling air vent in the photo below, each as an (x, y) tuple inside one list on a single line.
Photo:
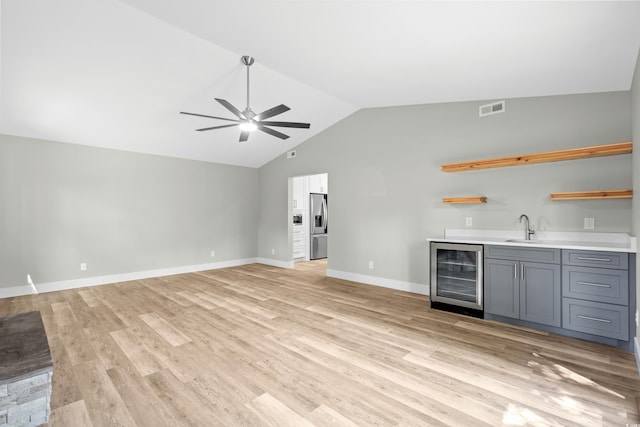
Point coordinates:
[(493, 108)]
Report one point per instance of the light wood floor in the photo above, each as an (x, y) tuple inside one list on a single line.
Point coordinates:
[(257, 345)]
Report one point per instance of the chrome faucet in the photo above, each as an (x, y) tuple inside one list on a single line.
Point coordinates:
[(528, 231)]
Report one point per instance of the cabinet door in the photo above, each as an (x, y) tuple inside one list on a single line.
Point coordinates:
[(540, 293), (298, 192), (501, 290)]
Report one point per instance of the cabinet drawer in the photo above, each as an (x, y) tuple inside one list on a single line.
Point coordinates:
[(596, 318), (298, 253), (596, 284), (596, 259), (523, 254), (298, 230)]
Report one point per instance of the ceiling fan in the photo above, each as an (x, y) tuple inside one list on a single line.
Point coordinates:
[(247, 120)]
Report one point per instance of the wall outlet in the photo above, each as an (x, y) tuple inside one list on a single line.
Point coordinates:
[(469, 221), (371, 265), (83, 266), (589, 223), (273, 251), (213, 254)]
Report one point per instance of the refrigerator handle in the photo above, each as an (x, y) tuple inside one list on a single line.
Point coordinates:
[(324, 214)]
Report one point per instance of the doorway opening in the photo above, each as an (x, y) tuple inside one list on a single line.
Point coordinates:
[(309, 203)]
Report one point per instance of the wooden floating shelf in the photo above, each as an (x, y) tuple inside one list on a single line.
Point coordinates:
[(592, 195), (544, 157), (466, 200)]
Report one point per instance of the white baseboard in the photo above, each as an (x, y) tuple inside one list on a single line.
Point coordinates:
[(62, 285), (15, 291), (636, 345), (416, 288), (115, 278), (275, 262)]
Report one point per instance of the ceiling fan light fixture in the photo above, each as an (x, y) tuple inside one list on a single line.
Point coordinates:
[(247, 120), (248, 125)]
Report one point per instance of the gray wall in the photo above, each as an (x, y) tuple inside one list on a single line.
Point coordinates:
[(120, 212), (63, 204), (386, 183), (635, 120)]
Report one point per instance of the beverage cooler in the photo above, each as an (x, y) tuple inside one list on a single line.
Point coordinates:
[(456, 278)]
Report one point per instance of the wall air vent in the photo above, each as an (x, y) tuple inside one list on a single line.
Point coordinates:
[(493, 108)]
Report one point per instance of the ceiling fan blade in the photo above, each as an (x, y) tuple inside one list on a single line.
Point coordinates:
[(216, 127), (244, 135), (287, 124), (231, 108), (272, 112), (272, 132), (211, 117)]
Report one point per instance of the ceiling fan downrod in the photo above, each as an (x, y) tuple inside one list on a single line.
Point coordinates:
[(248, 61)]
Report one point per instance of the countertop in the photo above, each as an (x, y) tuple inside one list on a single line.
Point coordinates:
[(588, 241)]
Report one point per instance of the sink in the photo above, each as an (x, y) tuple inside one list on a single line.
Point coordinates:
[(523, 241)]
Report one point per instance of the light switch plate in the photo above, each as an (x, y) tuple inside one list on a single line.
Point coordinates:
[(469, 221)]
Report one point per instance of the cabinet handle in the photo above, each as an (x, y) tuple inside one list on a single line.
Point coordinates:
[(522, 272), (515, 271), (593, 318), (586, 258), (597, 285)]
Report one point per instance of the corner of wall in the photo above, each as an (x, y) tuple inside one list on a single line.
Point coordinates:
[(275, 262), (635, 210)]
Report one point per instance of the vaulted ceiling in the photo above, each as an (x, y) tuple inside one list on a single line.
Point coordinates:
[(115, 73)]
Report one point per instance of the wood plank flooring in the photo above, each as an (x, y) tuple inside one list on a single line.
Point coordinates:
[(262, 346)]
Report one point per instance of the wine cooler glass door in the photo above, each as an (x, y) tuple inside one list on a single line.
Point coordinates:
[(456, 272)]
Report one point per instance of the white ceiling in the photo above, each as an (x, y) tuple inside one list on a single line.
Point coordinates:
[(115, 73)]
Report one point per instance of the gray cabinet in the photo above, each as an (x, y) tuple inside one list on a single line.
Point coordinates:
[(607, 320), (618, 260), (540, 293), (596, 284), (501, 288), (584, 294), (595, 290), (518, 286)]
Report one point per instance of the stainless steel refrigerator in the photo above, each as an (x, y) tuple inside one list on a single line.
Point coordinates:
[(318, 225)]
